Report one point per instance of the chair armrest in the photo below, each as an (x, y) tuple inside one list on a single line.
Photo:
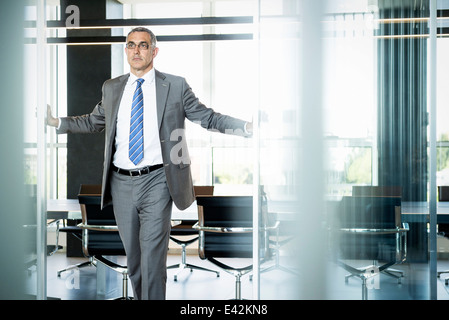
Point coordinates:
[(97, 227), (223, 229), (273, 227), (404, 229)]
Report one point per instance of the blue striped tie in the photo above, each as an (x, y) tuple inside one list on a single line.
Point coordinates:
[(136, 125)]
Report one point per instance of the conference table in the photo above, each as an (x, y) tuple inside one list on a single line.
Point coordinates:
[(418, 211), (412, 212), (70, 209)]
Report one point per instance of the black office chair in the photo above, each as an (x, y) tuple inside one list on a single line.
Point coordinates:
[(377, 191), (53, 248), (369, 228), (77, 232), (276, 235), (225, 231), (184, 228), (382, 191), (443, 229), (100, 235)]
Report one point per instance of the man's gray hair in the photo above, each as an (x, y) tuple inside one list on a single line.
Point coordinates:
[(143, 29)]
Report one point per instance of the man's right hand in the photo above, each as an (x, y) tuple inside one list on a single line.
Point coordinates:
[(51, 121)]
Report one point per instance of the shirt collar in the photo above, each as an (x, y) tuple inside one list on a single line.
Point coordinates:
[(148, 77)]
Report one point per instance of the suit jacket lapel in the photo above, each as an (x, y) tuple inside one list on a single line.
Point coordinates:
[(162, 87), (117, 96)]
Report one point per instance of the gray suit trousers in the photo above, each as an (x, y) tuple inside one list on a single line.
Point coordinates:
[(142, 207)]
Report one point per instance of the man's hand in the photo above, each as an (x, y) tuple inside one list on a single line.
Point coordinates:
[(51, 121), (249, 127)]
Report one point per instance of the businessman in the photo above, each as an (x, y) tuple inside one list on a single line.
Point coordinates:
[(146, 161)]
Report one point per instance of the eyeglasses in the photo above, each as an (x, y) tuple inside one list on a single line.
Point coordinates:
[(142, 45)]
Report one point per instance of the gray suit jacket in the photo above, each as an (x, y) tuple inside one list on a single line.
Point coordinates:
[(175, 102)]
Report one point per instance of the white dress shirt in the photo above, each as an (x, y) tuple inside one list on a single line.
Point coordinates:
[(152, 149)]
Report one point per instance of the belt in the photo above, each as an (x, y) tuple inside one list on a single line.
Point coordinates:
[(137, 172)]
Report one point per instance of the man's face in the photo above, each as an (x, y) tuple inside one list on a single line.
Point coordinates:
[(140, 59)]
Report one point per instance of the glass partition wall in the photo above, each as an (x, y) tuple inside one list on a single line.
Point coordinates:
[(18, 227), (376, 134), (35, 151), (348, 146), (343, 97)]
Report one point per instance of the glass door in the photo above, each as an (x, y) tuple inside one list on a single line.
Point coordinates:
[(377, 138), (34, 137), (17, 230), (346, 116), (279, 144)]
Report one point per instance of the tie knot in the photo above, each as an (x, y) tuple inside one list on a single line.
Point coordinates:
[(140, 81)]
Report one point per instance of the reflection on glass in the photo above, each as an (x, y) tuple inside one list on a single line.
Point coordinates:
[(376, 138), (278, 153)]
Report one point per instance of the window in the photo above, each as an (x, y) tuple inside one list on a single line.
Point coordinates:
[(349, 101), (222, 75)]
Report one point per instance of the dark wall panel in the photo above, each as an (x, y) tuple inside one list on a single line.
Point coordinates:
[(88, 66)]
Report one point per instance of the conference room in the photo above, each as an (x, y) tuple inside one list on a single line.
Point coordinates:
[(336, 187)]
